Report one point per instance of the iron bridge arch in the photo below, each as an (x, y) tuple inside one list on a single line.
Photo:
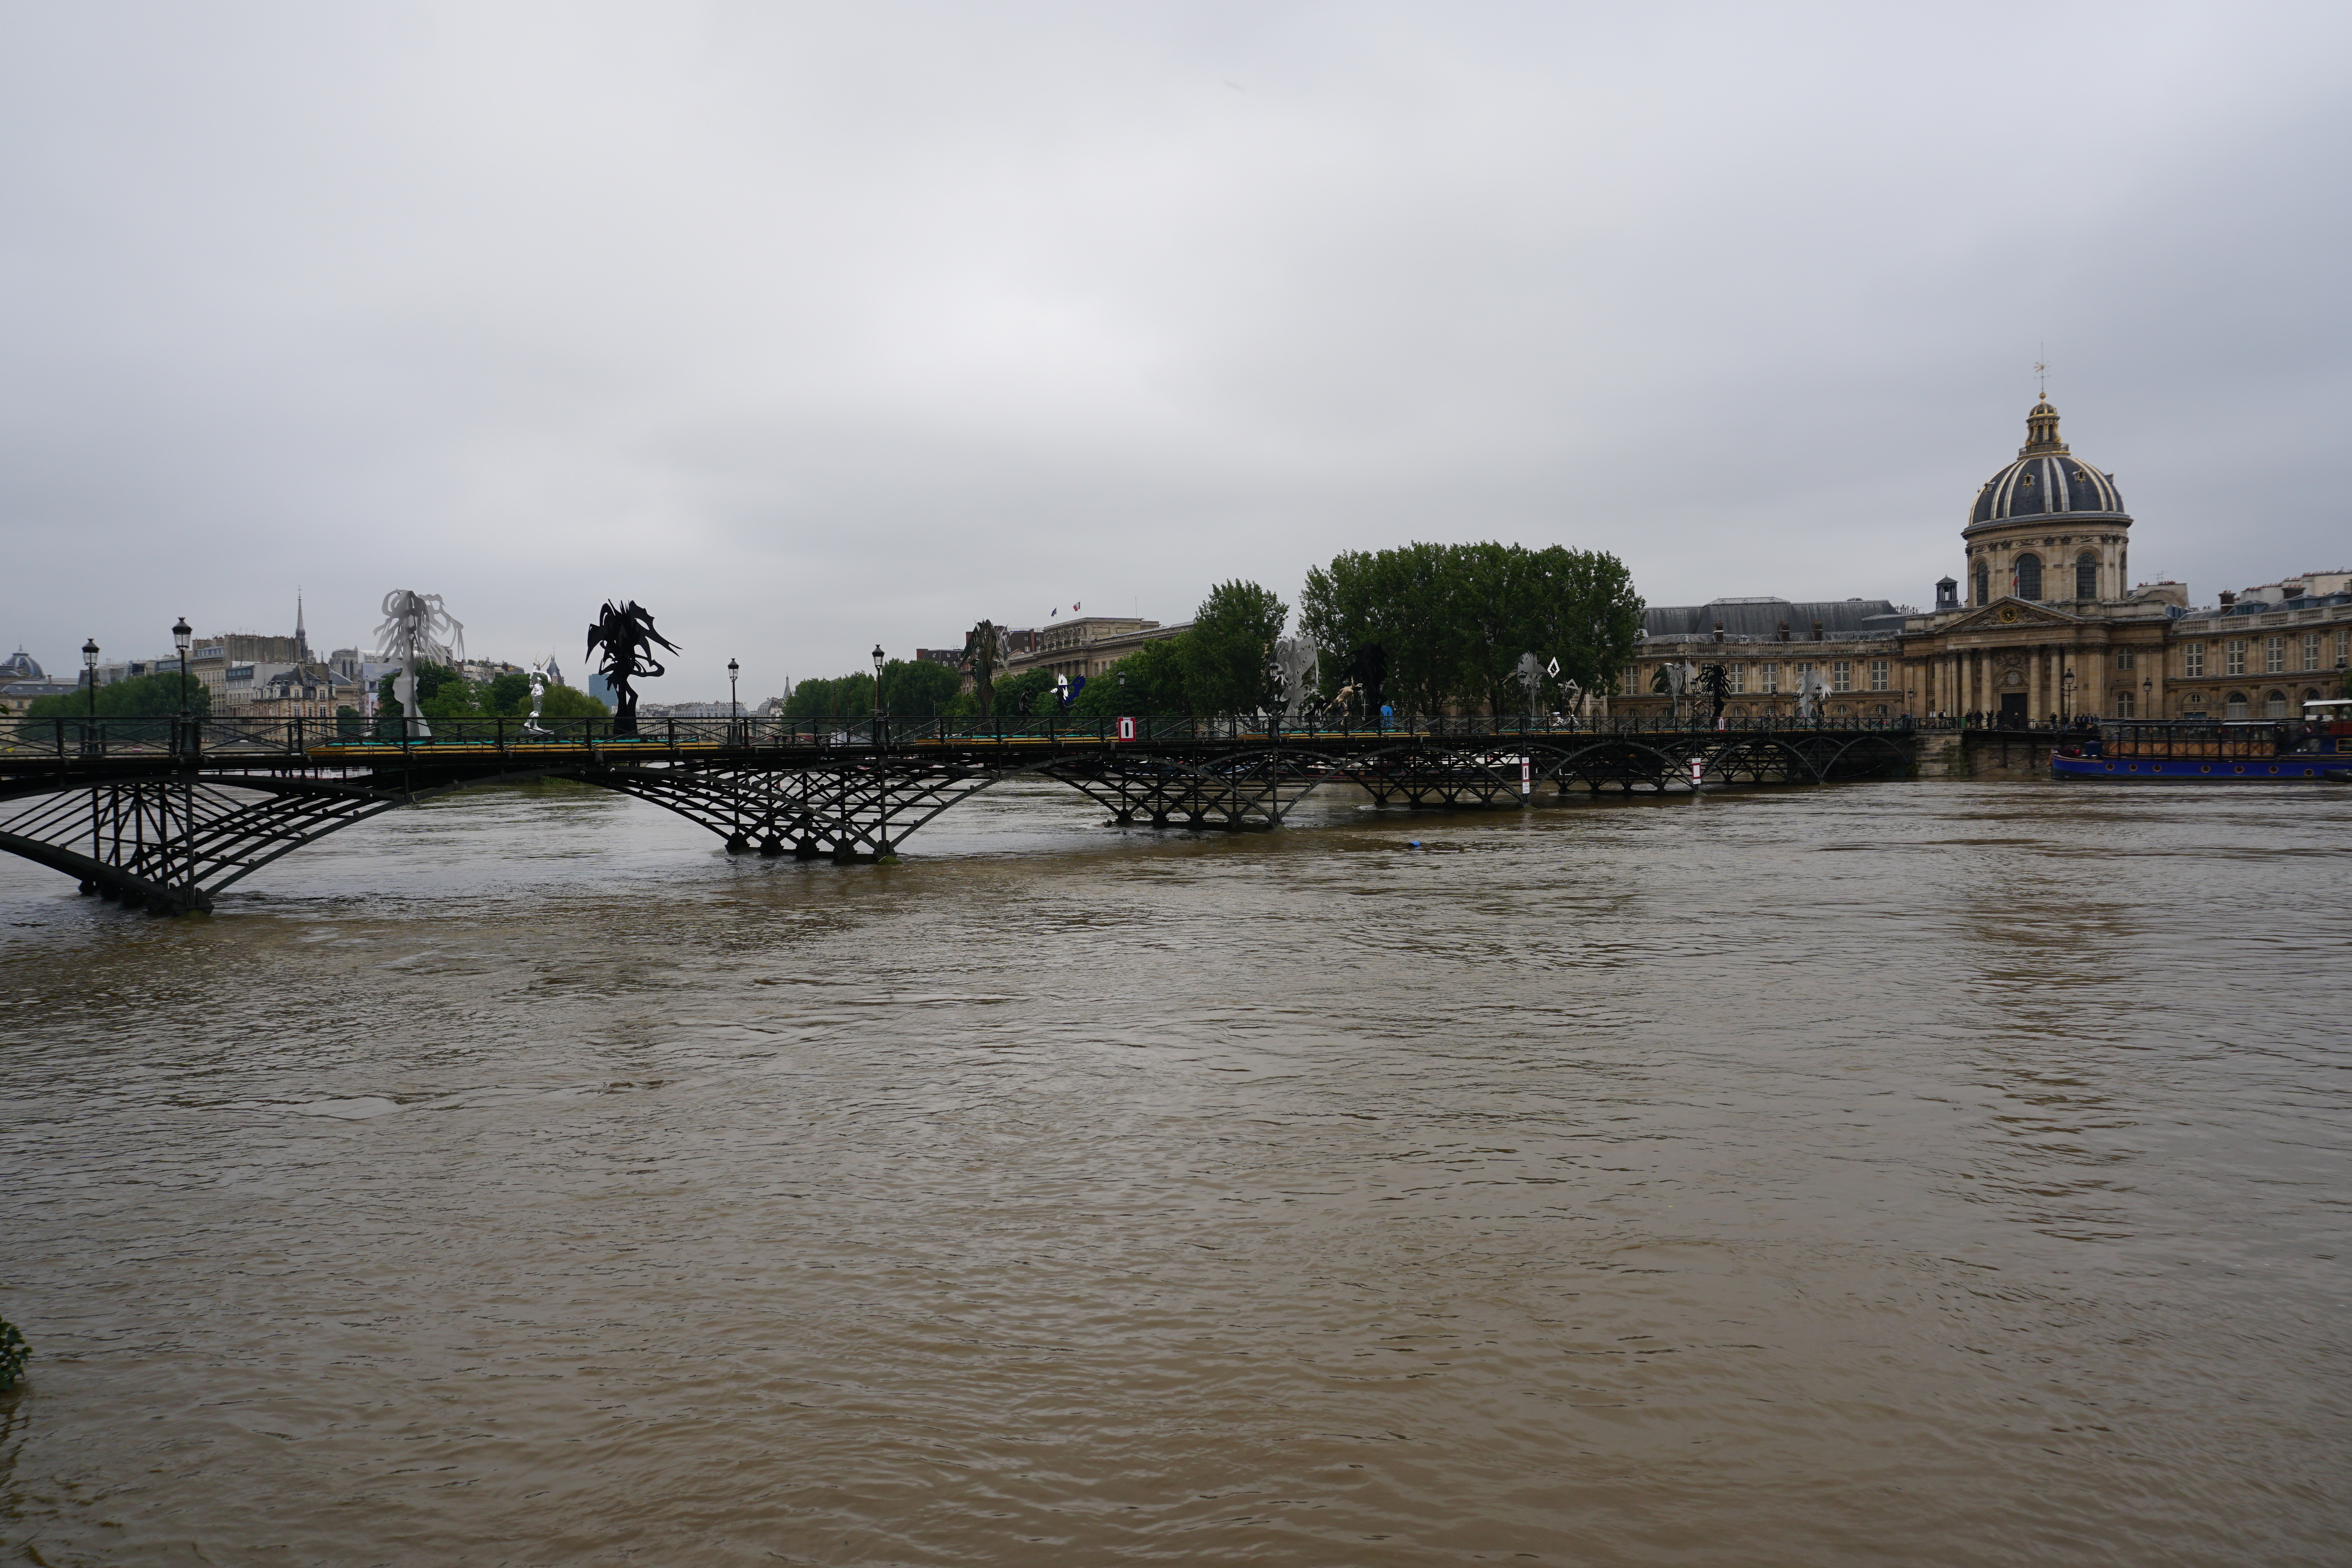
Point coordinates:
[(166, 814)]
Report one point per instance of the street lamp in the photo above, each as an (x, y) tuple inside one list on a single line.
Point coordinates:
[(734, 708), (2065, 697), (89, 673), (2147, 696), (180, 635), (878, 693)]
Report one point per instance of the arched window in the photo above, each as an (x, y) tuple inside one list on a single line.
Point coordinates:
[(2029, 576), (2237, 705), (1984, 582), (2086, 576), (2277, 701)]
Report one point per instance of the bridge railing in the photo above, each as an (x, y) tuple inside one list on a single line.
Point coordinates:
[(358, 738)]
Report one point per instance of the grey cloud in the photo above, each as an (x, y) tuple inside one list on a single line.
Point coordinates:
[(811, 327)]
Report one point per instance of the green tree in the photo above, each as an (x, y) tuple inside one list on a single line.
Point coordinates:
[(141, 696), (844, 697), (508, 695), (918, 688), (1231, 642), (441, 693), (571, 701), (1454, 619), (1154, 686), (1026, 694)]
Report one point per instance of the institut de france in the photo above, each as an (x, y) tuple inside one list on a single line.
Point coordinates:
[(2051, 627)]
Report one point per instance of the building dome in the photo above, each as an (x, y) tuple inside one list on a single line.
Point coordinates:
[(2046, 480), (20, 666)]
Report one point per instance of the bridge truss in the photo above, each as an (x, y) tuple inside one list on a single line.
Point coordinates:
[(164, 815)]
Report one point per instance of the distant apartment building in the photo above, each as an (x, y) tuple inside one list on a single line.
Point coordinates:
[(302, 691), (211, 659)]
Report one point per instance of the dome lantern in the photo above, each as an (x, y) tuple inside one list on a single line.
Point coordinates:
[(2041, 432)]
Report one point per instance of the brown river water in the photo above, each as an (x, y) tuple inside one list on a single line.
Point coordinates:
[(1896, 1173)]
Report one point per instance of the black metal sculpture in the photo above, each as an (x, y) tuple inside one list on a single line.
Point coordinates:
[(627, 634), (1367, 672), (1715, 681)]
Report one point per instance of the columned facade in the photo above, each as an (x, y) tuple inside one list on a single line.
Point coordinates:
[(2044, 624)]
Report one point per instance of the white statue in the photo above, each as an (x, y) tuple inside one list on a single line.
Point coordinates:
[(539, 679)]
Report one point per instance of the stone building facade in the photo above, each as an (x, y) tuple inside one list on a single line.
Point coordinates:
[(1087, 645), (2048, 629)]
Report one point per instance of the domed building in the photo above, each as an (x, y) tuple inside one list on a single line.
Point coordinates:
[(2050, 628), (2049, 527)]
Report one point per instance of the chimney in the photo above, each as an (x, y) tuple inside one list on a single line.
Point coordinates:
[(2228, 599)]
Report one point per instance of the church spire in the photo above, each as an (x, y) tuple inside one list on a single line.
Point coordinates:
[(301, 638)]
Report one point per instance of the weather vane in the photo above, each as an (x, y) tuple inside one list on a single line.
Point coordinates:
[(2042, 374)]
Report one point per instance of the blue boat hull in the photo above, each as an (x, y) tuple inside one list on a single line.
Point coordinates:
[(2288, 768)]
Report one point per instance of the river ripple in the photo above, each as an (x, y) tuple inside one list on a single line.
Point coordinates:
[(1887, 1174)]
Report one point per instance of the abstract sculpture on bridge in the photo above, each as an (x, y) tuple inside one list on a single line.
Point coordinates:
[(626, 632), (417, 628), (1532, 677), (1368, 672), (1810, 690), (1671, 682), (983, 655), (1715, 682), (1292, 674)]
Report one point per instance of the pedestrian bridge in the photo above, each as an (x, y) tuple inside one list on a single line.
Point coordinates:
[(165, 813)]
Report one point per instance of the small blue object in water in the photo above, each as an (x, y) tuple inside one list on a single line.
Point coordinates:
[(1412, 843)]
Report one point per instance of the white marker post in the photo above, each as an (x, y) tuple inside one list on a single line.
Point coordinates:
[(1527, 778), (1697, 763)]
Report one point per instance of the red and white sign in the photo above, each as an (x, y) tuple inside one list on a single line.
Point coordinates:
[(1127, 730)]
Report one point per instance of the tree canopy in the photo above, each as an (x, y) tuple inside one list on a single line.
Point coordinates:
[(443, 692), (1226, 652), (140, 696), (1453, 620)]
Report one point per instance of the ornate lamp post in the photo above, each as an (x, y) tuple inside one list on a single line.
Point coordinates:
[(2065, 697), (89, 673), (180, 636), (2147, 696), (878, 693), (734, 708)]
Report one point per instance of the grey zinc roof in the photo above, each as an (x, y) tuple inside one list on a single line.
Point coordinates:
[(1762, 618)]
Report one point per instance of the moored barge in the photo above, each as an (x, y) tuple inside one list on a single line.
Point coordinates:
[(2196, 751)]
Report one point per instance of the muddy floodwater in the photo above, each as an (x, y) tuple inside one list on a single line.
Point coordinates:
[(1896, 1173)]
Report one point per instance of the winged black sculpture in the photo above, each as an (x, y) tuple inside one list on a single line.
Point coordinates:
[(626, 632)]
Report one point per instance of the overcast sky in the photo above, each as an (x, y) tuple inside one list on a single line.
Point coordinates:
[(816, 325)]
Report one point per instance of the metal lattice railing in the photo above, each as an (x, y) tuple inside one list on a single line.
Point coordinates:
[(357, 739)]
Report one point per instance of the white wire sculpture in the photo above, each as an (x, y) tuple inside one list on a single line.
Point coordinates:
[(417, 627)]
